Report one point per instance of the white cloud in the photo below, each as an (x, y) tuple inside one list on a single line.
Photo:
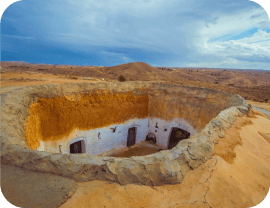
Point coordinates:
[(225, 43), (256, 45), (18, 37), (228, 24), (261, 37), (186, 32), (232, 63)]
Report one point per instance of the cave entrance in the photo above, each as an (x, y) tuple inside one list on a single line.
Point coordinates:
[(151, 138), (176, 136), (77, 147), (131, 139)]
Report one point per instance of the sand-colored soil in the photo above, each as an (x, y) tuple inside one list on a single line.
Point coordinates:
[(250, 84), (266, 136), (11, 80), (226, 145), (92, 111), (136, 151), (241, 182), (139, 149), (265, 106)]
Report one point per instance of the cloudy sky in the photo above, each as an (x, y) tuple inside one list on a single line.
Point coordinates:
[(180, 33)]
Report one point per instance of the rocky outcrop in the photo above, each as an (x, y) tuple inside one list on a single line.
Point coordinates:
[(164, 167)]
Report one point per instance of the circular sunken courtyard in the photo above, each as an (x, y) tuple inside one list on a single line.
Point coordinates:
[(133, 132)]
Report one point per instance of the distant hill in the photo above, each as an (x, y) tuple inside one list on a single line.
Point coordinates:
[(131, 70), (250, 84)]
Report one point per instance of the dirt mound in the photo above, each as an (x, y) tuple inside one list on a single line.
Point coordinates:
[(131, 70), (139, 67)]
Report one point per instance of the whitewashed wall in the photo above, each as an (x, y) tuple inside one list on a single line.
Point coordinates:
[(109, 140), (162, 136), (106, 141)]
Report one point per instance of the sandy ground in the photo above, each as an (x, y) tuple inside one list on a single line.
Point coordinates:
[(265, 106), (242, 182), (250, 84), (11, 80), (139, 149)]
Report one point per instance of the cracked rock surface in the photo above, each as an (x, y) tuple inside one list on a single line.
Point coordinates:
[(215, 183), (27, 189)]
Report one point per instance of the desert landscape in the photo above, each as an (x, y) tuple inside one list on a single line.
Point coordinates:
[(252, 85), (236, 175)]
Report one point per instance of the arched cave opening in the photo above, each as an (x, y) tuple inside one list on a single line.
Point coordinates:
[(151, 138), (176, 135)]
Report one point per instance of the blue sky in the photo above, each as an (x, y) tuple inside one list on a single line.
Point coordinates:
[(180, 33)]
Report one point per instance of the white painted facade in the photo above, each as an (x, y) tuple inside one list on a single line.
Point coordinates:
[(162, 129), (104, 139), (100, 140)]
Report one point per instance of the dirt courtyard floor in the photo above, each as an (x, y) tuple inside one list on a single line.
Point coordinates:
[(241, 181), (139, 149), (136, 151)]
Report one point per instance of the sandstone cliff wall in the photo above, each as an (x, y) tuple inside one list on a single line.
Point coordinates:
[(52, 119)]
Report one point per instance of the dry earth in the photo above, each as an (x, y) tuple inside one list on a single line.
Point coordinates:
[(11, 80), (243, 181), (250, 84), (238, 175), (265, 106)]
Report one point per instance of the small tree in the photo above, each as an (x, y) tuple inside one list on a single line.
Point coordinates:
[(121, 78)]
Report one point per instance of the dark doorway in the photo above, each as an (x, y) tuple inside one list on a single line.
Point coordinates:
[(131, 139), (77, 147), (151, 138), (176, 136)]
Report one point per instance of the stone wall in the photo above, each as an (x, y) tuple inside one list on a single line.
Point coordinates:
[(164, 167)]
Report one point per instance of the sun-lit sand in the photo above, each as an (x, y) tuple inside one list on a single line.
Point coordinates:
[(242, 182)]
